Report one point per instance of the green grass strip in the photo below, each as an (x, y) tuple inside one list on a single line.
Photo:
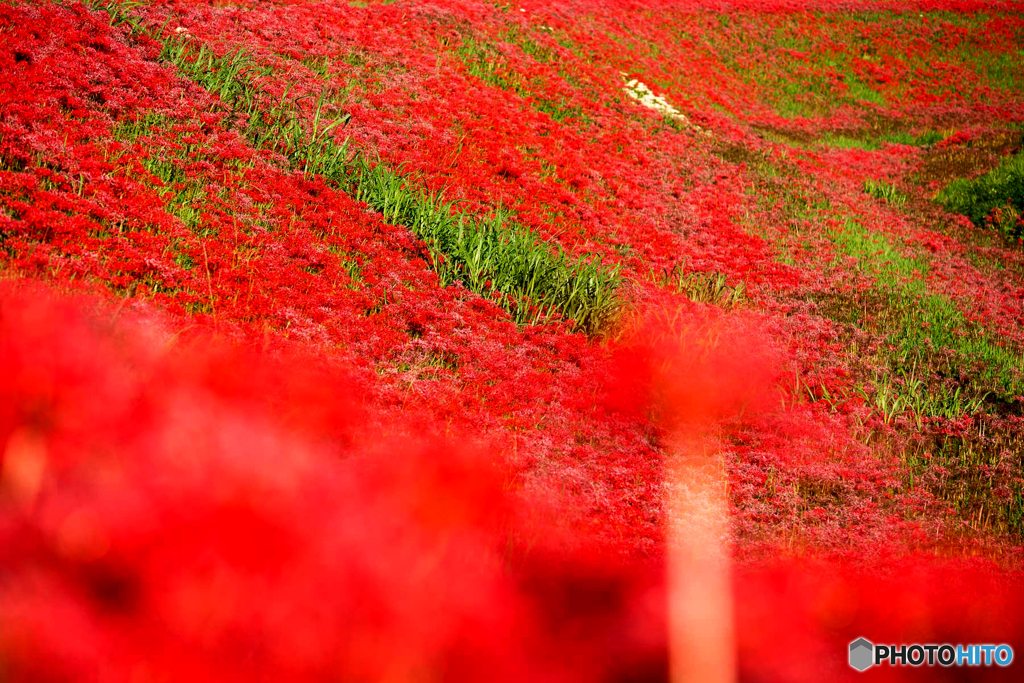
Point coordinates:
[(920, 323), (491, 256)]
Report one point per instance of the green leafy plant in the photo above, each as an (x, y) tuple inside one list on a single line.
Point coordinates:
[(703, 287), (879, 189), (995, 198)]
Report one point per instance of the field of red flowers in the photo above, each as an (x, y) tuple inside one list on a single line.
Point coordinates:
[(423, 340)]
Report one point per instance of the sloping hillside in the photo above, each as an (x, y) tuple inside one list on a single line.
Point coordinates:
[(409, 340)]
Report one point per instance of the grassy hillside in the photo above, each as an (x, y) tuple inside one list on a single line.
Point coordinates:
[(515, 295)]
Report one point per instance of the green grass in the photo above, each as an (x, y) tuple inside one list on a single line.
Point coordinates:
[(928, 137), (703, 287), (998, 194), (507, 262), (878, 255), (871, 143), (847, 142), (929, 340), (796, 88), (971, 477), (485, 62), (538, 51), (879, 189), (933, 362), (184, 194), (827, 75), (492, 256), (1002, 70)]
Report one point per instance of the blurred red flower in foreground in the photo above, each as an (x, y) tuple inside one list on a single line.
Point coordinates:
[(174, 508), (176, 511)]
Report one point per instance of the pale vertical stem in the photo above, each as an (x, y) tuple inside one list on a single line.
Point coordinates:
[(702, 641)]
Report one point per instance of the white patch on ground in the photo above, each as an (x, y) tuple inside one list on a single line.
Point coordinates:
[(646, 97)]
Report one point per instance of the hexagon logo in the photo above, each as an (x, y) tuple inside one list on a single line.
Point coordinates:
[(861, 654)]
